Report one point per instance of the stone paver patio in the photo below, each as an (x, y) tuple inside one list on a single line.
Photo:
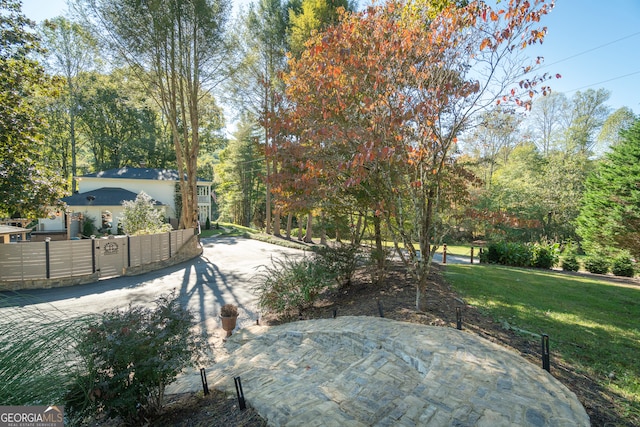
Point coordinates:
[(368, 371)]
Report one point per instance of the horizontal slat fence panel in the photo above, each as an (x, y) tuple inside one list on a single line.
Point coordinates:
[(70, 258), (28, 260), (135, 252), (23, 261)]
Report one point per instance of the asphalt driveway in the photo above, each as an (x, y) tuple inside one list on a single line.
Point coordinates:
[(226, 272)]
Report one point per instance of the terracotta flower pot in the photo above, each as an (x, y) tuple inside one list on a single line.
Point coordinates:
[(229, 324)]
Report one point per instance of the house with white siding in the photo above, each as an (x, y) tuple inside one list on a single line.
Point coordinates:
[(100, 196)]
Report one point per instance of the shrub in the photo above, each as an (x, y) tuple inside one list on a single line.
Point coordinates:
[(508, 253), (343, 260), (88, 227), (35, 356), (128, 357), (622, 265), (539, 255), (597, 264), (570, 263), (293, 284), (491, 254), (141, 216), (544, 255)]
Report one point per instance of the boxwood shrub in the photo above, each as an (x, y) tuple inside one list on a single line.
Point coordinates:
[(597, 264), (570, 263), (622, 265)]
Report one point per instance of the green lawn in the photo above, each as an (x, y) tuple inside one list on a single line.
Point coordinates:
[(592, 324), (461, 250), (227, 229)]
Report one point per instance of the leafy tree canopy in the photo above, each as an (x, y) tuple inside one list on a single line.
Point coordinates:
[(610, 215), (26, 186)]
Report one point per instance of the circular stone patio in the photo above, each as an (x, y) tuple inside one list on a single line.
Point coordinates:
[(368, 371)]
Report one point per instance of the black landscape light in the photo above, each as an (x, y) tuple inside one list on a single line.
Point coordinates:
[(240, 393), (545, 353), (203, 377)]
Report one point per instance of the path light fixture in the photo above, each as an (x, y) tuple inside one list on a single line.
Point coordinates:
[(205, 385), (545, 353), (240, 393)]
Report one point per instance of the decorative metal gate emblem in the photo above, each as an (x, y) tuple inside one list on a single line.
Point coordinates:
[(111, 248)]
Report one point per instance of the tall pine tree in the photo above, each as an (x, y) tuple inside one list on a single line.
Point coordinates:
[(609, 218)]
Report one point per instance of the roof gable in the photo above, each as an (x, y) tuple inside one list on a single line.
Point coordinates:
[(106, 196)]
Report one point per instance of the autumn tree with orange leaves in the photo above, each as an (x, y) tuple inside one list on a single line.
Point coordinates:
[(376, 104)]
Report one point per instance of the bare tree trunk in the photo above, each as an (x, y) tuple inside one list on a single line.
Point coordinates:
[(276, 223), (356, 231), (289, 224), (72, 135), (379, 251), (323, 231), (308, 237), (268, 185), (300, 228)]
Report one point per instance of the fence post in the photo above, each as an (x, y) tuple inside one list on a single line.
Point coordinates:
[(471, 254), (47, 257), (128, 251), (93, 253), (444, 253)]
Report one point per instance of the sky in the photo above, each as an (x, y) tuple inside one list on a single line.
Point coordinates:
[(592, 44)]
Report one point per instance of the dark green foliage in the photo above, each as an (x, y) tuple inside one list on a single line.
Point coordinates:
[(293, 284), (544, 256), (117, 132), (26, 184), (128, 357), (521, 254), (207, 224), (343, 260), (570, 263), (490, 254), (610, 213), (622, 265), (509, 253), (597, 264), (88, 227)]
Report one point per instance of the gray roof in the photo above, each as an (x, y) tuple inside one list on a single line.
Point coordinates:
[(137, 173), (106, 196)]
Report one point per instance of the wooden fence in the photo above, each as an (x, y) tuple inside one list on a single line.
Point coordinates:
[(104, 257)]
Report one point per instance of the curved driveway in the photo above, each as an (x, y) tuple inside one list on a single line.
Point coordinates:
[(225, 273)]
